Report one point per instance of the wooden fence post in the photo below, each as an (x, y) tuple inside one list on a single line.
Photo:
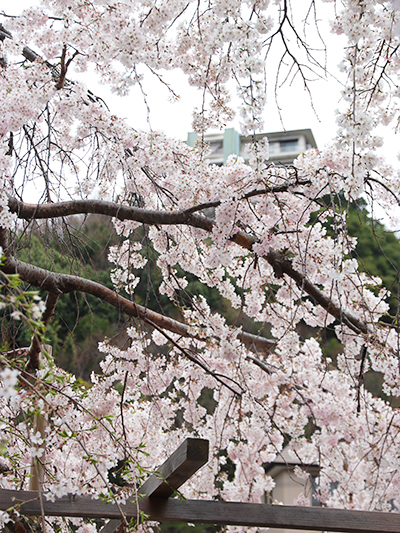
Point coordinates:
[(39, 426)]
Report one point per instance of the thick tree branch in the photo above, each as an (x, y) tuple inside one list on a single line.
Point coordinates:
[(57, 284), (112, 209), (122, 212), (280, 263), (283, 265)]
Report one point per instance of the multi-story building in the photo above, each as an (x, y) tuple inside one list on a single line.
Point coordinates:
[(284, 146)]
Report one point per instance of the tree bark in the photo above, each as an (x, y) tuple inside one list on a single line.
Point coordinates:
[(64, 283), (279, 262)]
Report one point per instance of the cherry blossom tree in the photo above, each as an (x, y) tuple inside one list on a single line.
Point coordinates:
[(271, 240)]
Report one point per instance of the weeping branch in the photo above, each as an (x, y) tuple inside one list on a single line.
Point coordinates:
[(57, 284), (196, 361), (278, 260)]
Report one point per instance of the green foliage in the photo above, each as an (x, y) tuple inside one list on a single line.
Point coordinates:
[(20, 309), (377, 250), (80, 321)]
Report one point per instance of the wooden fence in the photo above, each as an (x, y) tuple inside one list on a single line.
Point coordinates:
[(154, 502)]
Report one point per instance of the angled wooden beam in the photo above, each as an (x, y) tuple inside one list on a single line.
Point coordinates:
[(210, 512), (191, 455)]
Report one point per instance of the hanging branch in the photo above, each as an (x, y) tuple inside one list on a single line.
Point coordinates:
[(36, 344), (278, 260), (57, 284), (360, 376), (197, 362)]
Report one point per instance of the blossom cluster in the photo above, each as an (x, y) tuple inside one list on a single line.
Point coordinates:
[(9, 379), (270, 241)]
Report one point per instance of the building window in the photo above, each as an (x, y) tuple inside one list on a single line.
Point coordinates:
[(290, 145), (216, 149)]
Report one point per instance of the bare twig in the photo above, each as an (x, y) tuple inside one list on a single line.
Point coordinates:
[(197, 362)]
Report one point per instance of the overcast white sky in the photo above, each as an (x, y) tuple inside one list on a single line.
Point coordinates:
[(175, 118)]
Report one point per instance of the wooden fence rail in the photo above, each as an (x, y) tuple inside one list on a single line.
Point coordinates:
[(154, 502), (210, 512)]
